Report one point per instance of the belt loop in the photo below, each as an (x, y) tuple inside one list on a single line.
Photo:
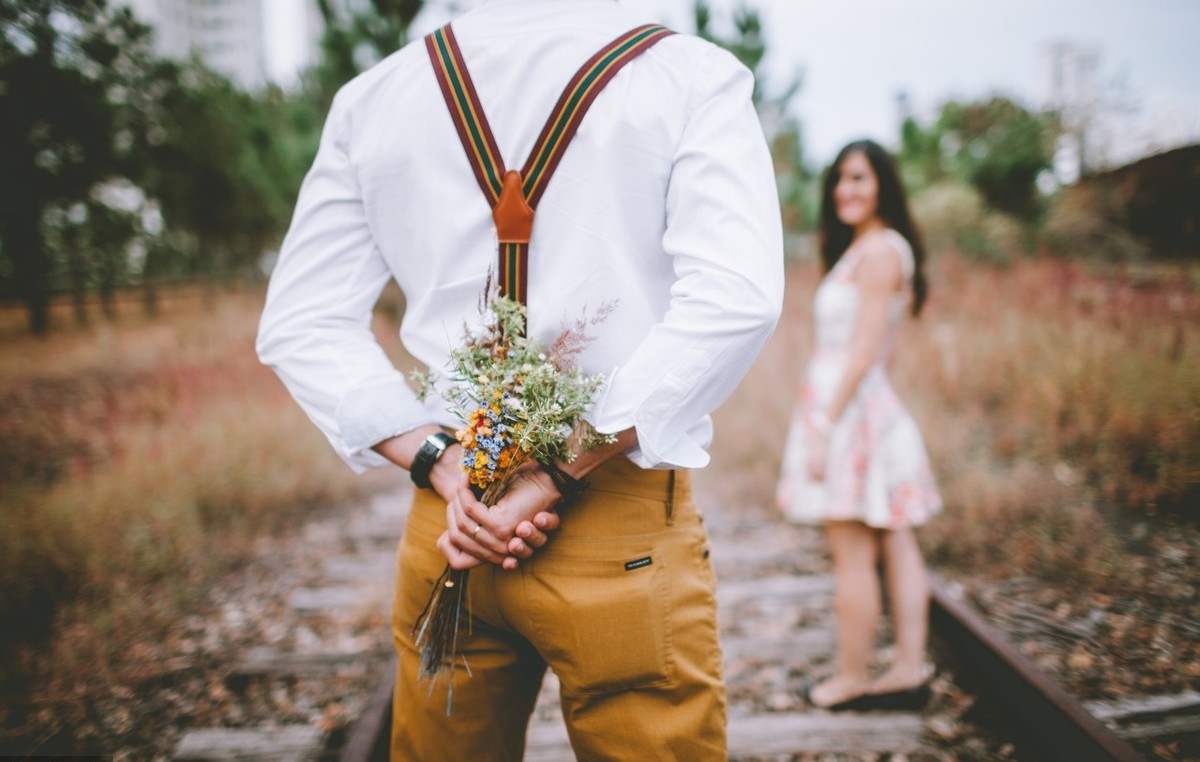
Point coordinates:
[(671, 497)]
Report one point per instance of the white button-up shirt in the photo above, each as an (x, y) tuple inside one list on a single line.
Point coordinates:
[(664, 202)]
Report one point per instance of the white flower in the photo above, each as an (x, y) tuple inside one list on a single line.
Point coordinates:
[(483, 379)]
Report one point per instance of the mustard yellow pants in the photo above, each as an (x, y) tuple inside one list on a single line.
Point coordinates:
[(620, 603)]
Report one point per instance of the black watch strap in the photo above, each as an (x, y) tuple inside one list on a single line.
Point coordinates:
[(431, 450), (567, 485)]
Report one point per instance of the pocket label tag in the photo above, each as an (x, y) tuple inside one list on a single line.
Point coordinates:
[(639, 563)]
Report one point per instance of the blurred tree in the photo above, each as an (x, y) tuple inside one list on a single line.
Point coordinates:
[(219, 176), (798, 191), (747, 42), (56, 128), (920, 156), (356, 37), (795, 178), (86, 107), (996, 145), (1001, 148)]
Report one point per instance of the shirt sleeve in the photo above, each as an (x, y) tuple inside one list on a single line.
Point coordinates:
[(315, 331), (724, 235)]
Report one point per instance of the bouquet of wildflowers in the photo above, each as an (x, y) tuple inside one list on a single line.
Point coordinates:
[(523, 404)]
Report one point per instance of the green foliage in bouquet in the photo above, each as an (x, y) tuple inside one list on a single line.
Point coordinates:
[(523, 404)]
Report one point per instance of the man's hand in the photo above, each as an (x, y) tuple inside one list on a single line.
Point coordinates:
[(461, 544), (503, 533)]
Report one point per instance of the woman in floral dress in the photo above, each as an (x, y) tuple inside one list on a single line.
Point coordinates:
[(855, 460)]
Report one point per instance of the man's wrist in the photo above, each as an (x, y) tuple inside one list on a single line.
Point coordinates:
[(585, 462), (402, 448), (566, 485), (447, 471), (428, 455)]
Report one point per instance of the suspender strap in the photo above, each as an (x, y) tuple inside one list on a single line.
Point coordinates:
[(578, 96), (469, 120), (514, 195)]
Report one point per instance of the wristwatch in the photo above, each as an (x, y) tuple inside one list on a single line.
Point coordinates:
[(431, 451)]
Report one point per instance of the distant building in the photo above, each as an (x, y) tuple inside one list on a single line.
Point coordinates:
[(1106, 124), (1070, 86), (1070, 76), (228, 35)]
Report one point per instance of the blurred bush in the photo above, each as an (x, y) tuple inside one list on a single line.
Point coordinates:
[(1147, 209), (1078, 225), (953, 217)]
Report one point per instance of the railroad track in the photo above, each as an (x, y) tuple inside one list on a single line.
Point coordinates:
[(775, 603), (1053, 724)]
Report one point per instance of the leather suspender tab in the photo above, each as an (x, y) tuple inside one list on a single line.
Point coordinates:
[(512, 213)]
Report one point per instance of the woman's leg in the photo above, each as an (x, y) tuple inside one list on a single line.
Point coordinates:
[(908, 594), (856, 604)]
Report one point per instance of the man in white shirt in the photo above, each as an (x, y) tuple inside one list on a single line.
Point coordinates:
[(663, 203)]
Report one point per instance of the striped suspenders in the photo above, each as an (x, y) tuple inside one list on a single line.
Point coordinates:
[(514, 195)]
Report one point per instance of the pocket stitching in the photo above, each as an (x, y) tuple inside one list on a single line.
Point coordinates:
[(660, 599)]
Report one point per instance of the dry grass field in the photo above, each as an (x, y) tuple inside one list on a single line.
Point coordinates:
[(141, 460)]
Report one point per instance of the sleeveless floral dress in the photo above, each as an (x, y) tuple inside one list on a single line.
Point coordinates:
[(878, 470)]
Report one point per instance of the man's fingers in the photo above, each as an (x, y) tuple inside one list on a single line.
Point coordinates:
[(530, 534), (454, 556), (547, 520), (462, 518), (520, 548), (468, 544), (481, 534), (497, 522)]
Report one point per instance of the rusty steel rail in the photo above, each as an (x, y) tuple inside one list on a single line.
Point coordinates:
[(369, 737), (1047, 715)]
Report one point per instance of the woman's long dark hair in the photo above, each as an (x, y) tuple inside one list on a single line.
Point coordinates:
[(892, 208)]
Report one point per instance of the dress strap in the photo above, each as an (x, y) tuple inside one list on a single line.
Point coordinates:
[(900, 243), (514, 195)]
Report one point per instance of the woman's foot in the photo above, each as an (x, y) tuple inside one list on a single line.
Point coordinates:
[(900, 689), (899, 678), (837, 693)]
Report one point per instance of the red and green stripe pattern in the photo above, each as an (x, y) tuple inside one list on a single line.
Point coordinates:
[(466, 112), (513, 278), (480, 146), (578, 96)]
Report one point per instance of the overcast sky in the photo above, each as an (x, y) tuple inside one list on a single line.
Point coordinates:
[(856, 55)]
